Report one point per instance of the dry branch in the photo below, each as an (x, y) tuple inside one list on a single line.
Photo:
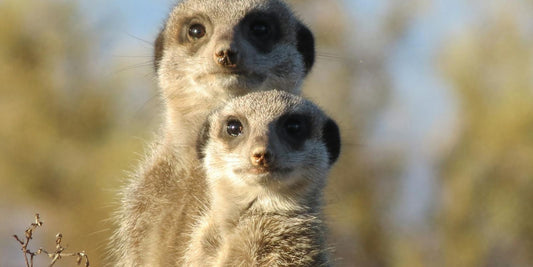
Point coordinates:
[(55, 256)]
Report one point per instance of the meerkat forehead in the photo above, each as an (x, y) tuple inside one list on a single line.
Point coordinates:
[(231, 9), (261, 108)]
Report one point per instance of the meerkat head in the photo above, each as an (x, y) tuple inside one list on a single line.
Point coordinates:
[(234, 45), (272, 142)]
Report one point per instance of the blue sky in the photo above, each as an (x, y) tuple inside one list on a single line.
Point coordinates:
[(139, 18)]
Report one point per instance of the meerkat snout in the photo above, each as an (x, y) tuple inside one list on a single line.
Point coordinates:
[(226, 56), (261, 156)]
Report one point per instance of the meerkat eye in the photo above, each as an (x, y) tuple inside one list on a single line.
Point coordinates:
[(260, 30), (197, 31), (234, 128), (293, 127), (296, 127)]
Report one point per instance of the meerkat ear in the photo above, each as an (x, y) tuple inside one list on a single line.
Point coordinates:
[(306, 46), (158, 49), (201, 142), (332, 138)]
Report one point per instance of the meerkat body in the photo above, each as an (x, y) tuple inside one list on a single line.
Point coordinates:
[(266, 156), (208, 52)]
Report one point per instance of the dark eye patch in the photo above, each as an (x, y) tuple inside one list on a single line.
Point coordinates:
[(295, 129), (262, 30), (296, 126)]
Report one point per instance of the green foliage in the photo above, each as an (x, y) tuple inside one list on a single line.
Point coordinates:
[(487, 180)]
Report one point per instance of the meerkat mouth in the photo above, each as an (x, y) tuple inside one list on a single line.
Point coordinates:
[(237, 75), (231, 72), (236, 83), (270, 171)]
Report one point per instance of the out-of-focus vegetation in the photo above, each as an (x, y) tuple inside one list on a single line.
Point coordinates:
[(62, 152), (65, 146), (486, 213)]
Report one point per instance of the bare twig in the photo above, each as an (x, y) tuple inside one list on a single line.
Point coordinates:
[(55, 256), (24, 244), (58, 253)]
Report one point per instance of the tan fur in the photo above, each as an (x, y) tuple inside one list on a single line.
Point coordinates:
[(271, 218), (275, 240), (152, 212), (162, 200)]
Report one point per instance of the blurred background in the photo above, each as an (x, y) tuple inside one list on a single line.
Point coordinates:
[(434, 98)]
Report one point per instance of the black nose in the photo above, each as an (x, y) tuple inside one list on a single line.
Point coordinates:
[(227, 57), (261, 157)]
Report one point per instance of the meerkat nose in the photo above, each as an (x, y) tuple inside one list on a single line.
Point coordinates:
[(227, 57), (261, 157)]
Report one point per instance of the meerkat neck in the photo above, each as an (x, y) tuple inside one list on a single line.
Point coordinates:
[(184, 119), (230, 202)]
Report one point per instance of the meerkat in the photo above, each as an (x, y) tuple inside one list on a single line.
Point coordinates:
[(208, 52), (266, 156)]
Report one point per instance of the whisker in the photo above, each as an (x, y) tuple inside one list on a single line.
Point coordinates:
[(140, 39), (127, 56), (327, 55), (152, 98), (134, 66)]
